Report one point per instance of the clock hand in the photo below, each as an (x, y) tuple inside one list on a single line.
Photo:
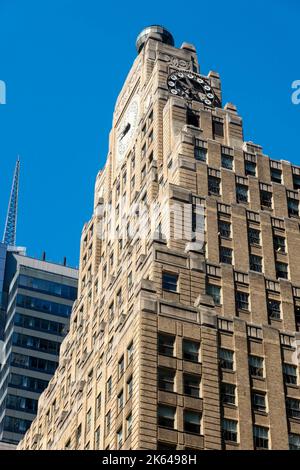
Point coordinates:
[(126, 129)]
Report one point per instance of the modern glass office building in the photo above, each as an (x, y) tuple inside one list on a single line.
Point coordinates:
[(36, 303)]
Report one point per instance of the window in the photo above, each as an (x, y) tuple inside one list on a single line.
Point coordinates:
[(108, 422), (166, 379), (120, 401), (119, 297), (170, 282), (191, 385), (294, 441), (109, 388), (256, 366), (88, 420), (97, 438), (190, 350), (128, 425), (218, 128), (143, 172), (119, 438), (225, 255), (226, 359), (266, 199), (260, 437), (165, 446), (281, 270), (297, 317), (228, 394), (215, 292), (166, 416), (225, 229), (250, 168), (227, 161), (293, 408), (121, 367), (191, 421), (130, 353), (274, 309), (200, 154), (296, 181), (192, 119), (98, 404), (241, 193), (290, 374), (255, 263), (259, 401), (279, 244), (242, 300), (214, 184), (276, 175), (129, 388), (166, 344), (229, 430), (78, 434), (293, 207), (254, 236)]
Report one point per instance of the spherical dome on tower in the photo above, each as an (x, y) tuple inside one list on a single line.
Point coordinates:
[(156, 32)]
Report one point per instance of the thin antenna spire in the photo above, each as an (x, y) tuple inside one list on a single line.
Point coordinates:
[(10, 231)]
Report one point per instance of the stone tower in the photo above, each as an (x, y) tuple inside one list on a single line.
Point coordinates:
[(184, 333)]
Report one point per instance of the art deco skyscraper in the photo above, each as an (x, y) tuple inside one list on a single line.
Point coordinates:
[(184, 334)]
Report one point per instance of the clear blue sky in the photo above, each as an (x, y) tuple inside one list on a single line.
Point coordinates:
[(64, 62)]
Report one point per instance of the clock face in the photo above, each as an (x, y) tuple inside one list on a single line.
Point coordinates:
[(127, 128), (191, 86)]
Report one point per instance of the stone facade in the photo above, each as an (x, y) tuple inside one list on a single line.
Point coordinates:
[(185, 332)]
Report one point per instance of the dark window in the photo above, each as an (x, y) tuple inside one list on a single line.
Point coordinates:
[(200, 154), (256, 263), (215, 292), (266, 199), (225, 228), (296, 181), (226, 359), (120, 401), (281, 270), (297, 316), (129, 353), (214, 185), (228, 394), (279, 244), (294, 441), (241, 193), (225, 255), (242, 300), (165, 446), (290, 374), (166, 379), (293, 207), (129, 388), (260, 437), (170, 282), (218, 128), (49, 287), (190, 350), (192, 118), (274, 309), (276, 175), (229, 430), (250, 168), (254, 236), (191, 385), (293, 408), (166, 344), (121, 366), (42, 305), (109, 387), (191, 422), (227, 161), (166, 416), (256, 366), (259, 401)]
